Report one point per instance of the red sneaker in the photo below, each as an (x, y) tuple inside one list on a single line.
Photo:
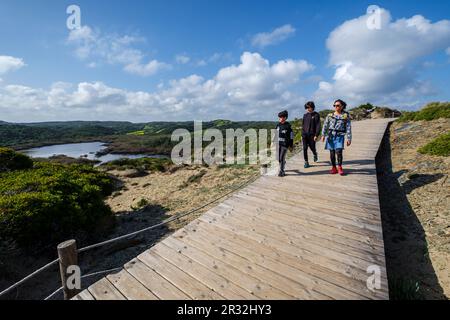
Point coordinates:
[(333, 170), (340, 170)]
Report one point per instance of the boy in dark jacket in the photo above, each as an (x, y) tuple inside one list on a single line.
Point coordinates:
[(285, 140), (310, 131)]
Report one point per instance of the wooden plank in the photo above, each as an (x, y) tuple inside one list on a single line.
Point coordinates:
[(297, 214), (84, 295), (327, 191), (326, 196), (343, 282), (104, 290), (324, 218), (308, 186), (291, 231), (189, 285), (301, 228), (221, 285), (348, 209), (158, 285), (370, 217), (316, 287), (255, 286), (351, 269), (131, 288), (330, 256), (332, 283), (292, 288)]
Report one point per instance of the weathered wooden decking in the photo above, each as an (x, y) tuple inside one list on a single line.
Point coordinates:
[(308, 235)]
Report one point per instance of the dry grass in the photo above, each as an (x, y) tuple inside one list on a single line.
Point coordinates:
[(180, 191)]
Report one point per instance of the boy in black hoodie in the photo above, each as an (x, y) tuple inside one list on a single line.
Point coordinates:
[(310, 131), (285, 140)]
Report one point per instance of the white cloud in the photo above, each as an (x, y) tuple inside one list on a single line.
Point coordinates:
[(8, 64), (276, 36), (215, 58), (97, 48), (253, 89), (382, 66), (182, 59), (148, 69)]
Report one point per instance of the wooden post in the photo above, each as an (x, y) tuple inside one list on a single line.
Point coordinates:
[(68, 256)]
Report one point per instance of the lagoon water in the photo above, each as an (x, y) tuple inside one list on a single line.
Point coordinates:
[(76, 150)]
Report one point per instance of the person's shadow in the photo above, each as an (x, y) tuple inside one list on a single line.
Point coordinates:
[(347, 170), (410, 272)]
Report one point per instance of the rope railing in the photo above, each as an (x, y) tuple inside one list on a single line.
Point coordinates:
[(84, 277), (28, 277), (129, 235)]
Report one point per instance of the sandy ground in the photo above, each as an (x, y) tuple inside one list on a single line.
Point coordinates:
[(173, 193), (415, 194)]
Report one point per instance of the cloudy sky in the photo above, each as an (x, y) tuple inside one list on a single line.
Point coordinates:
[(200, 60)]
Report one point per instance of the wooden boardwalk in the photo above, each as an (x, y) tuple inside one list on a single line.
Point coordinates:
[(309, 235)]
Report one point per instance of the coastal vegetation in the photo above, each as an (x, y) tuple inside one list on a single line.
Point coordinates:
[(47, 202), (438, 147), (431, 111)]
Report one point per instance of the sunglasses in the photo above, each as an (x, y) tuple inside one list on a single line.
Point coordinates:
[(337, 105)]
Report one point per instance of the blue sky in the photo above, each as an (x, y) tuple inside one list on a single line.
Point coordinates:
[(186, 60)]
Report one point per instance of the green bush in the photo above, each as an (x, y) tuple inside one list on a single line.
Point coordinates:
[(11, 160), (196, 177), (297, 127), (324, 113), (148, 164), (52, 202), (438, 147), (140, 204), (431, 111), (367, 106)]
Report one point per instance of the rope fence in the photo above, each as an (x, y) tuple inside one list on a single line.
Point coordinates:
[(84, 277)]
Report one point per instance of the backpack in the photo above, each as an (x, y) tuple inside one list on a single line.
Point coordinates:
[(345, 118)]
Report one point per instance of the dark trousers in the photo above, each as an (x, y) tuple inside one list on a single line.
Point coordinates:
[(308, 142), (282, 152), (340, 156)]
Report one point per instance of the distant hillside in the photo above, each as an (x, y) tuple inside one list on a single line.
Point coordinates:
[(169, 127), (24, 135), (118, 125), (125, 136)]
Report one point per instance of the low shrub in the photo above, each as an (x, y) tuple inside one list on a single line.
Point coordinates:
[(52, 202), (144, 164), (438, 147), (431, 111), (11, 160)]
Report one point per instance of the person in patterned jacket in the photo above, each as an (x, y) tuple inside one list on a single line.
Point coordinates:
[(336, 128)]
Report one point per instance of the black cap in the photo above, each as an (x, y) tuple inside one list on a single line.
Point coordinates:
[(283, 114)]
